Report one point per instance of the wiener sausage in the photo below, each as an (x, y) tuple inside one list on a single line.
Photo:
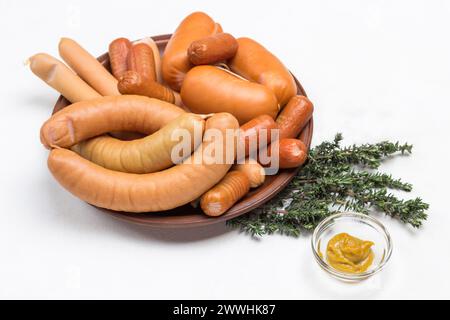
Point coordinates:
[(251, 132), (133, 83), (141, 60), (162, 190), (256, 63), (208, 89), (253, 170), (149, 154), (156, 56), (227, 192), (87, 119), (118, 55), (175, 61), (213, 49), (292, 152), (87, 67), (58, 76), (294, 116)]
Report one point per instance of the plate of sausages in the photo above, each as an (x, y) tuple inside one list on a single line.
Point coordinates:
[(120, 116)]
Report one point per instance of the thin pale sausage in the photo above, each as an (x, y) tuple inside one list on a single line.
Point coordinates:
[(58, 76), (88, 67)]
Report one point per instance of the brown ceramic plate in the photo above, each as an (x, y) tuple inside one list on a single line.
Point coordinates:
[(187, 216)]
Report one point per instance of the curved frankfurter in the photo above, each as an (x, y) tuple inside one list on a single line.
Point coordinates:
[(208, 89), (256, 63), (162, 190), (58, 76), (88, 67), (87, 119), (149, 154), (175, 61)]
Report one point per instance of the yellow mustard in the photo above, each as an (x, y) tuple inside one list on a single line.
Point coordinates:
[(349, 254)]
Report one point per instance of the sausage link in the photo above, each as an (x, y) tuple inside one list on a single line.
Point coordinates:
[(132, 83), (292, 152), (252, 131), (294, 116), (118, 55), (88, 67), (213, 49), (253, 170), (142, 61), (225, 194), (156, 55)]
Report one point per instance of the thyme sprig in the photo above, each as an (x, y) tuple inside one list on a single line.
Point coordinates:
[(336, 178)]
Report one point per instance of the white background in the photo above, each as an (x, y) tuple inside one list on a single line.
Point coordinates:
[(374, 69)]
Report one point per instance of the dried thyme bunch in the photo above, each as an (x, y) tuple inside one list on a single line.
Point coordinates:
[(335, 179)]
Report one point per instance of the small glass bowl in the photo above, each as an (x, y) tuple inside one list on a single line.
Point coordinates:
[(358, 225)]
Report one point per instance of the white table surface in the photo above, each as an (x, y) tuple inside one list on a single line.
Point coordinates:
[(375, 70)]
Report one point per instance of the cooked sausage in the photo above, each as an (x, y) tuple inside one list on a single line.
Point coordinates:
[(118, 55), (292, 152), (256, 63), (156, 55), (58, 76), (87, 119), (141, 60), (213, 49), (294, 116), (251, 132), (87, 67), (133, 83), (149, 154), (253, 170), (208, 89), (225, 194), (162, 190), (175, 61)]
